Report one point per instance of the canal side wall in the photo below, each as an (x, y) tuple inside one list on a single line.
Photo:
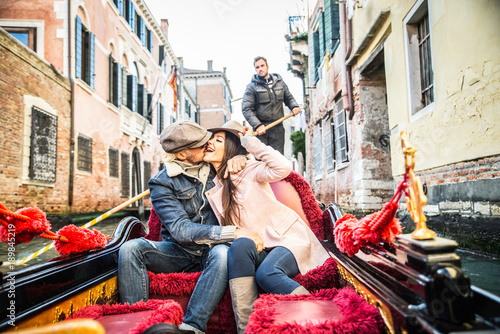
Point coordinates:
[(463, 203), (29, 82)]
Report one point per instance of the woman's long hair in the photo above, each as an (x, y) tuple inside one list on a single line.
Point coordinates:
[(232, 148)]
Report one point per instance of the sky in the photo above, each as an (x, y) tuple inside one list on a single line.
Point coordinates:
[(231, 33)]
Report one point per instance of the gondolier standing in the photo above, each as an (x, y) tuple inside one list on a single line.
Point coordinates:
[(263, 104)]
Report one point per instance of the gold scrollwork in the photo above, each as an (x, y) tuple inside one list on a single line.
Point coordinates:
[(368, 296)]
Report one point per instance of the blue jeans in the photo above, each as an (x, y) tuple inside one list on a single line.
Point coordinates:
[(137, 256), (273, 268)]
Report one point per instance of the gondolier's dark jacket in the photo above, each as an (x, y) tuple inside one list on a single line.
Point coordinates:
[(262, 105), (187, 218)]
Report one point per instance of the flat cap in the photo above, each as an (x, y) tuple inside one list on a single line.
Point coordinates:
[(184, 134)]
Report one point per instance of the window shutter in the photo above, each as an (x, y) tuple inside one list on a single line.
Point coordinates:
[(124, 86), (150, 41), (161, 54), (132, 16), (140, 99), (159, 118), (328, 24), (149, 108), (111, 83), (118, 85), (321, 30), (145, 103), (78, 48), (143, 32), (120, 7), (92, 60), (134, 93)]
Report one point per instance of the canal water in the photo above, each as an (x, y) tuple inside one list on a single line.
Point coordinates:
[(483, 270)]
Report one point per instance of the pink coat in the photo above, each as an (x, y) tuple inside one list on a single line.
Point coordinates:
[(260, 211)]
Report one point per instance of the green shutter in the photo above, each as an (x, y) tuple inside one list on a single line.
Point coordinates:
[(321, 31)]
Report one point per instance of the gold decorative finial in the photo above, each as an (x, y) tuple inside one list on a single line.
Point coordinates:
[(417, 199)]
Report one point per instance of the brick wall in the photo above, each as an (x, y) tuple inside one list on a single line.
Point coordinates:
[(25, 75), (468, 188)]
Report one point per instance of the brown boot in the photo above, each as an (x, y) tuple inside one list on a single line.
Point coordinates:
[(243, 294)]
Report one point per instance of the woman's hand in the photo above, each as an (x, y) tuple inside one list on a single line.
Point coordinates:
[(235, 165), (244, 233)]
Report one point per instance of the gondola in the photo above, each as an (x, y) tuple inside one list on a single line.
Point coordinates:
[(406, 286)]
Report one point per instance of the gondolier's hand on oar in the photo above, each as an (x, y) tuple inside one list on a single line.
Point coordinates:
[(244, 233), (262, 129)]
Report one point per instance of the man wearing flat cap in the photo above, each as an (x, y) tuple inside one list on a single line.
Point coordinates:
[(193, 240)]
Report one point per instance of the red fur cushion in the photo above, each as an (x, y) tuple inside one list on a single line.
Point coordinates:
[(354, 316)]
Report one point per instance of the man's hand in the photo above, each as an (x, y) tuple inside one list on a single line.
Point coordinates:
[(235, 165), (296, 111), (244, 233), (261, 130)]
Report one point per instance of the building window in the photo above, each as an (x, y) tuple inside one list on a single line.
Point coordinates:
[(419, 59), (115, 85), (318, 147), (161, 117), (113, 162), (43, 149), (149, 40), (125, 157), (147, 175), (340, 133), (25, 35), (85, 53), (149, 108), (124, 86), (326, 37), (328, 142), (84, 154), (424, 52), (132, 92), (119, 5), (130, 14)]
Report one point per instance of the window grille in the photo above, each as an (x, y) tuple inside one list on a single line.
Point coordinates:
[(125, 157), (84, 154), (43, 149), (113, 162)]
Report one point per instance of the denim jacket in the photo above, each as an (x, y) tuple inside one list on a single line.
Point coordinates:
[(186, 216)]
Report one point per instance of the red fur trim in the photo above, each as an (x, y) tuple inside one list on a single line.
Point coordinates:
[(80, 240), (309, 204), (26, 230), (177, 284), (154, 226), (322, 277), (358, 316), (164, 311)]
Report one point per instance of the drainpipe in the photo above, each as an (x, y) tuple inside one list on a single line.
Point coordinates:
[(72, 116), (348, 68)]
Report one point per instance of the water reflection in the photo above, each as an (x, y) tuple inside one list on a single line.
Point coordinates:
[(483, 271)]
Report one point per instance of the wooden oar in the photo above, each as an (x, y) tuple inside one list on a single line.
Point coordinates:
[(275, 123), (92, 222)]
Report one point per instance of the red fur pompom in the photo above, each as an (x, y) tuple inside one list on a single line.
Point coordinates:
[(80, 240)]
